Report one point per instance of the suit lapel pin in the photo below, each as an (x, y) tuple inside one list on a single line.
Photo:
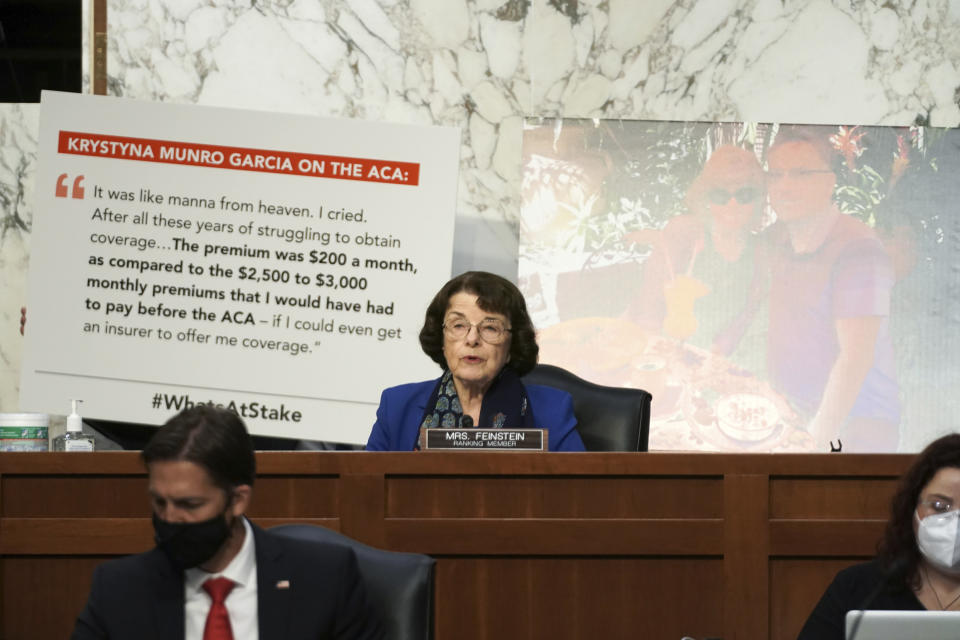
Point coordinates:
[(283, 584)]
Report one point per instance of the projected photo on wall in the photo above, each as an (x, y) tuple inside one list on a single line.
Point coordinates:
[(776, 287)]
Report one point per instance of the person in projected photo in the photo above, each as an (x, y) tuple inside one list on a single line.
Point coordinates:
[(829, 348), (917, 566), (698, 278), (478, 330)]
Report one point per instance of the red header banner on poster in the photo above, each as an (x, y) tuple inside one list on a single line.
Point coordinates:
[(239, 158)]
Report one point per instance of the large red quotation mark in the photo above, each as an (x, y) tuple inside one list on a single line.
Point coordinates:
[(61, 191)]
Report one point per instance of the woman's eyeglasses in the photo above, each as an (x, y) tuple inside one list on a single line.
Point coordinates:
[(490, 331), (743, 195)]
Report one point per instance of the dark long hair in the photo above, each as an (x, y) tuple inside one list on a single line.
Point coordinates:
[(494, 294), (898, 548)]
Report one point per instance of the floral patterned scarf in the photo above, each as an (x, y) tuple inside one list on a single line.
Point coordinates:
[(505, 404)]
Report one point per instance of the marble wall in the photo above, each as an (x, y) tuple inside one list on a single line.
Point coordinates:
[(483, 65)]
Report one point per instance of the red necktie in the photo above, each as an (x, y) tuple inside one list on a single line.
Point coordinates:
[(218, 620)]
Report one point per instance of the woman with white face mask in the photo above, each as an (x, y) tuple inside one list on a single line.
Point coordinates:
[(918, 564)]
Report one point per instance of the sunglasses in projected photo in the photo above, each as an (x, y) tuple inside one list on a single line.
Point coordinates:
[(743, 195)]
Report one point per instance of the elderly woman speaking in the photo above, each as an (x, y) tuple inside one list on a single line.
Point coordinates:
[(476, 328)]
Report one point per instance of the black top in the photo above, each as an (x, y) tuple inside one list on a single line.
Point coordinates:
[(850, 590)]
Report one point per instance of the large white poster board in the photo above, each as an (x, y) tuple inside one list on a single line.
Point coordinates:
[(277, 264)]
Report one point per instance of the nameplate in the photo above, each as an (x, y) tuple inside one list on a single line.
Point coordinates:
[(486, 439)]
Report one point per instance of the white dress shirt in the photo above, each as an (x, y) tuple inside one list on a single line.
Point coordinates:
[(241, 602)]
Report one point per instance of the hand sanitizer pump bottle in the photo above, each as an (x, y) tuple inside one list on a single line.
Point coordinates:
[(74, 439)]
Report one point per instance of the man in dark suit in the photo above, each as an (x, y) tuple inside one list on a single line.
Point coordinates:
[(214, 575)]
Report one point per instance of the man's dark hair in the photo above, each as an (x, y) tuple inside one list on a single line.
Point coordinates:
[(215, 439), (496, 295), (898, 548)]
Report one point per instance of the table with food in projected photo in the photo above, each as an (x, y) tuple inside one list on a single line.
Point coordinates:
[(701, 400)]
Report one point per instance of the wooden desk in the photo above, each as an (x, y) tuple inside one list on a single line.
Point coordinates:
[(528, 545)]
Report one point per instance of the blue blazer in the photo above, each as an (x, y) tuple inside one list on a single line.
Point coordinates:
[(401, 410)]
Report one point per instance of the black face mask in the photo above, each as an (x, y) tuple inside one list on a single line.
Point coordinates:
[(190, 544)]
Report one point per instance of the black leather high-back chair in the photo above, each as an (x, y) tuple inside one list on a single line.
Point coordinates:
[(608, 418), (398, 584)]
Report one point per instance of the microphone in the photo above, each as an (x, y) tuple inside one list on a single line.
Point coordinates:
[(895, 569), (466, 422)]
